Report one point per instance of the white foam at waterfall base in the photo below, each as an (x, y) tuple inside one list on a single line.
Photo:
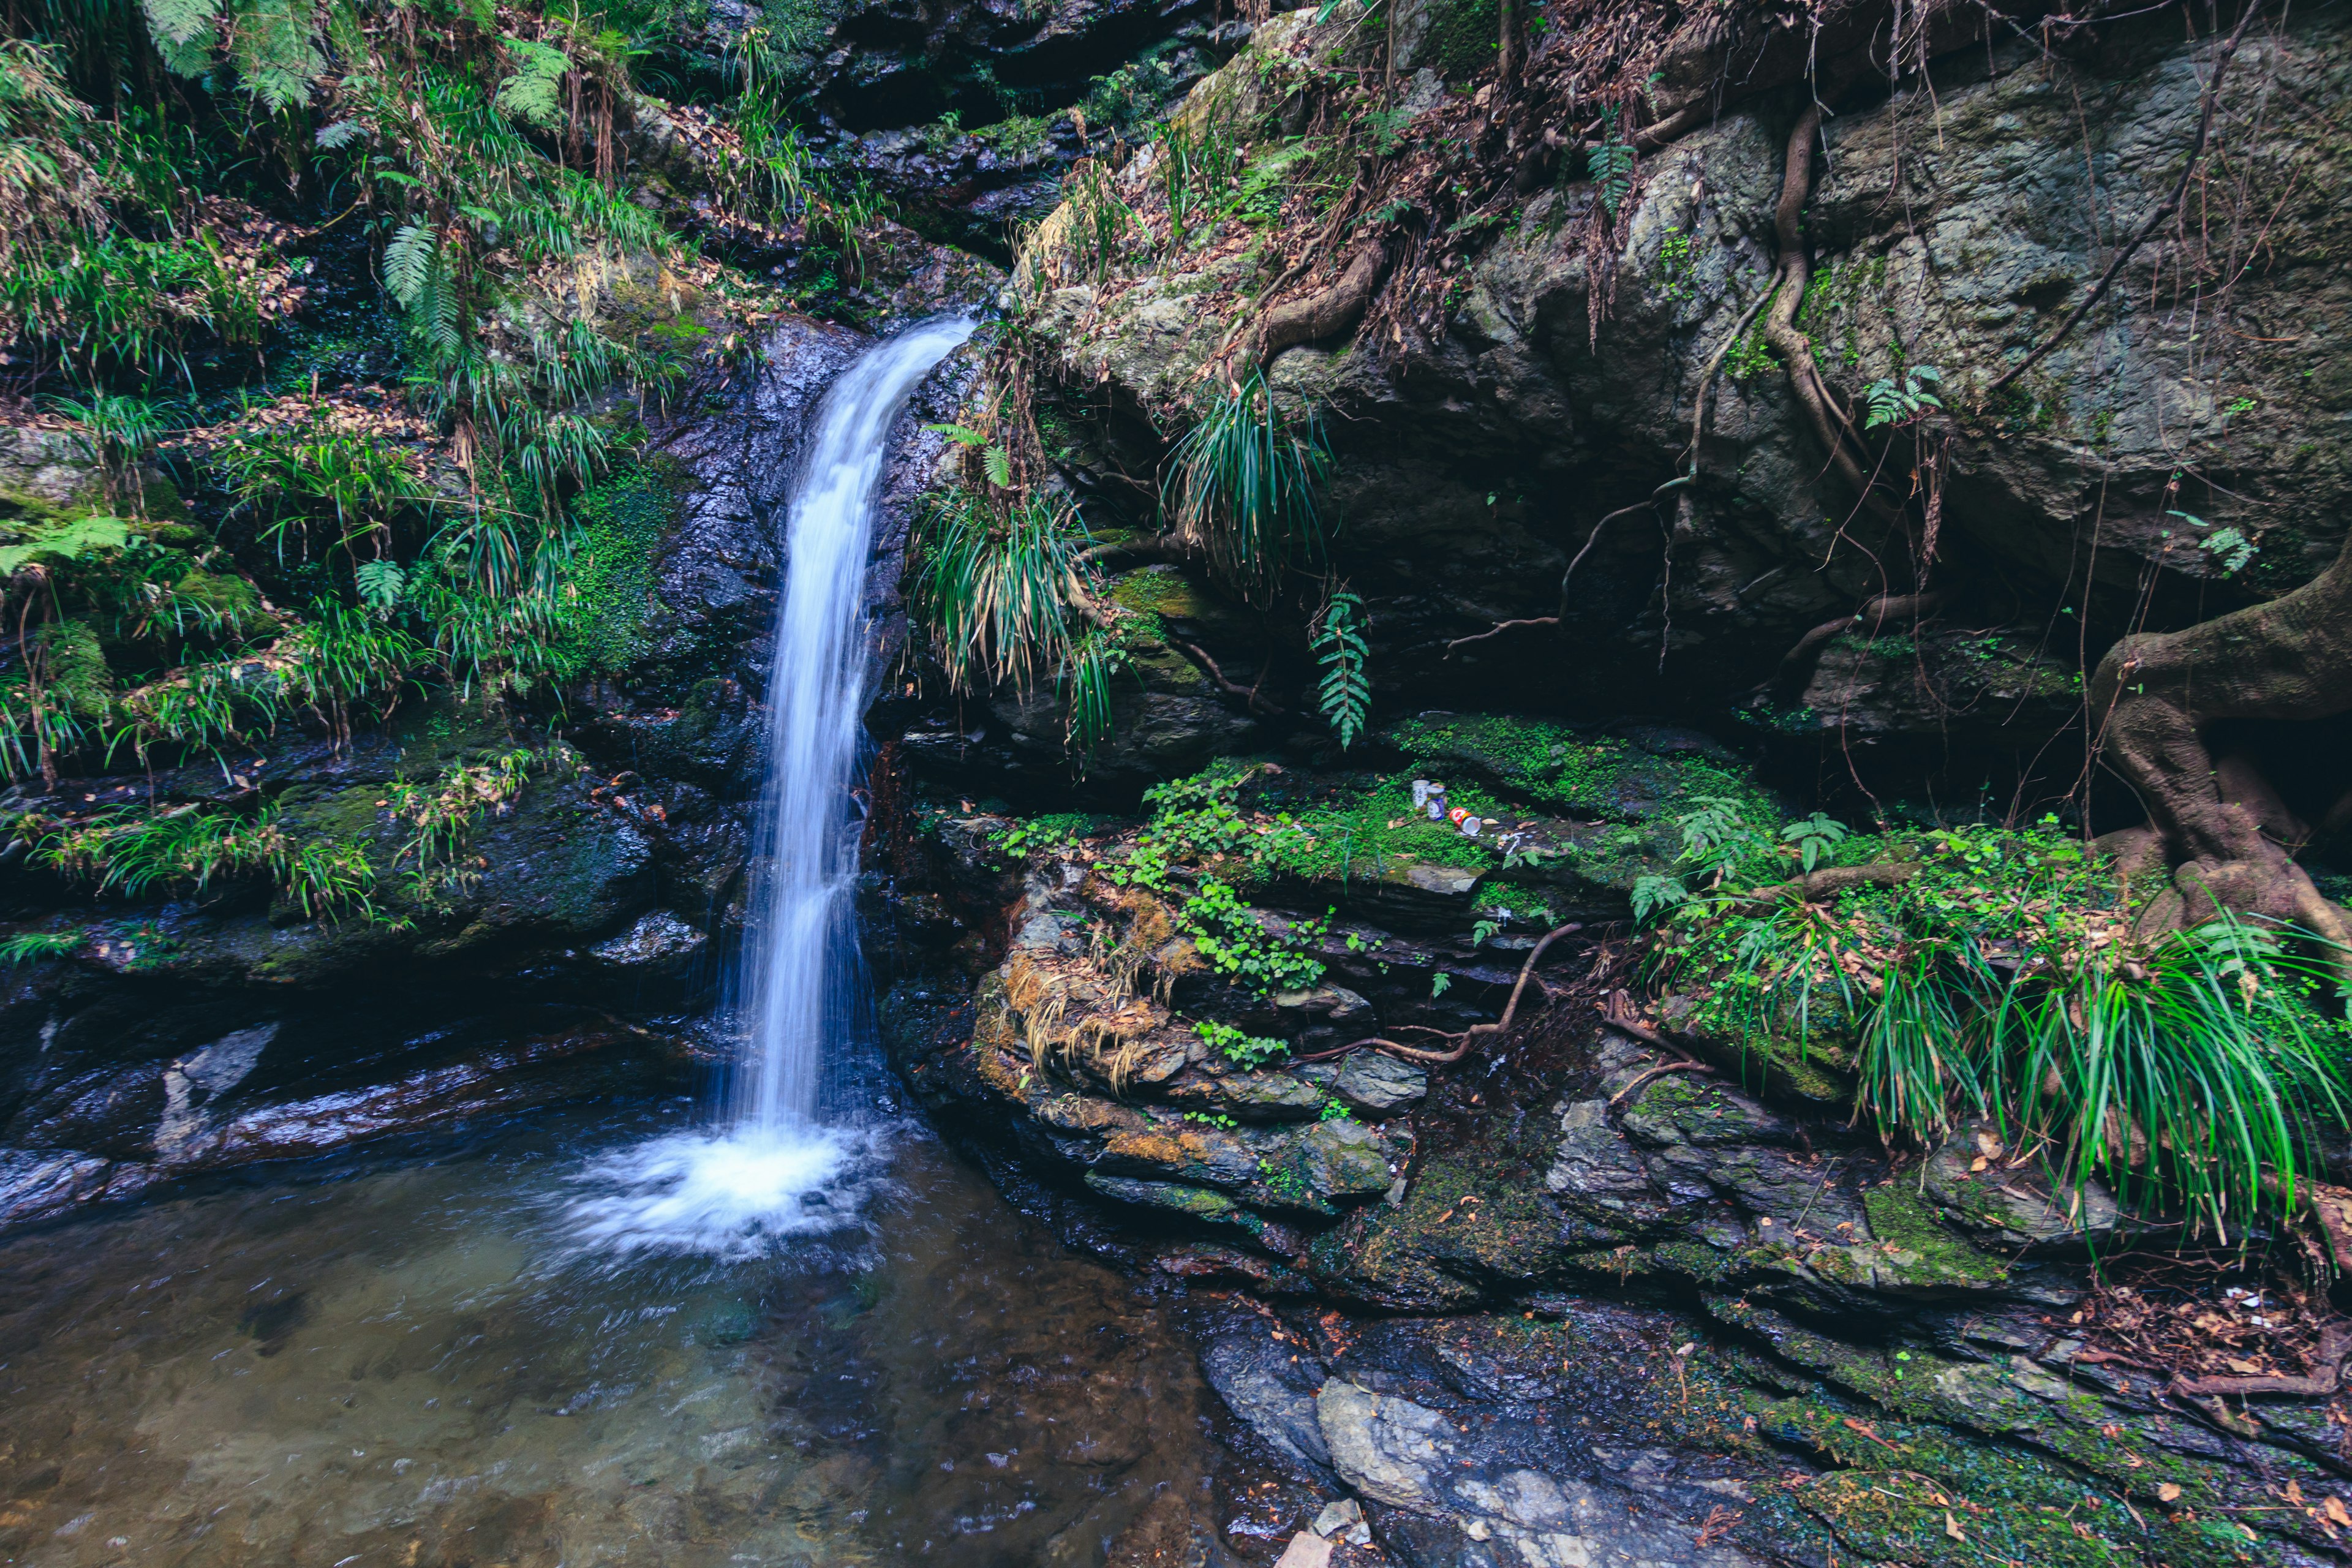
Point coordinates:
[(730, 1194)]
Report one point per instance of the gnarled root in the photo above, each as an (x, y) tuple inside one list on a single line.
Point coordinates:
[(1328, 312), (1828, 421), (1467, 1038), (2157, 691), (1797, 664)]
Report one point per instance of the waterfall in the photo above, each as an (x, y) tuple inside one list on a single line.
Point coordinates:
[(773, 1168), (795, 990)]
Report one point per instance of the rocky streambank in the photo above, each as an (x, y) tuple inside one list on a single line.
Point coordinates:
[(1574, 1295)]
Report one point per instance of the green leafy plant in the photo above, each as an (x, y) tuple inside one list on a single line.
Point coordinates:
[(1893, 401), (993, 585), (1815, 837), (1196, 169), (2230, 547), (31, 946), (1238, 1046), (1229, 936), (1997, 975), (1100, 222), (1338, 641), (1609, 163), (1245, 485)]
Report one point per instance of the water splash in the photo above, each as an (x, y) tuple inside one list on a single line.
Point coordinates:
[(774, 1170), (729, 1193)]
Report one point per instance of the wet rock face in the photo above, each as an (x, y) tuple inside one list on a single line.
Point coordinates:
[(175, 1103), (1471, 469)]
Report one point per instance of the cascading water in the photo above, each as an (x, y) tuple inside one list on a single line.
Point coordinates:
[(796, 987), (794, 996)]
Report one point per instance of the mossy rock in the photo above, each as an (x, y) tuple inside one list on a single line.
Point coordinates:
[(1551, 764), (1917, 1251)]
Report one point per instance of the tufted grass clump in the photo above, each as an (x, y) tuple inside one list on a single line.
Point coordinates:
[(992, 585), (1245, 485), (1998, 974)]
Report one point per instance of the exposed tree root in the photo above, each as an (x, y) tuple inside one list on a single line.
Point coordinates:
[(2157, 691), (1248, 694), (1327, 312), (2327, 1370), (1797, 664), (1467, 1038), (1828, 421), (1499, 627)]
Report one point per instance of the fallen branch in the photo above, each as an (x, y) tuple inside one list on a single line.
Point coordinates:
[(1465, 1038), (2335, 1345), (1200, 656), (2222, 58)]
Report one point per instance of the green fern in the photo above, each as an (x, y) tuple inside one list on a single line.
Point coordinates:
[(533, 93), (1347, 694), (1610, 164), (274, 46)]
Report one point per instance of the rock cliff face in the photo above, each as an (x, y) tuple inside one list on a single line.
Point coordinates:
[(1952, 224), (1570, 1298)]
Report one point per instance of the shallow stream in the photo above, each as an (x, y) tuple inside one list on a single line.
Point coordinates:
[(415, 1355)]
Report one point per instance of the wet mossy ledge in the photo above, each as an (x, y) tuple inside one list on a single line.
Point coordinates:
[(1874, 1342)]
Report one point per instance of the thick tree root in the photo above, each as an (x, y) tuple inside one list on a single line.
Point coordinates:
[(1795, 272), (1797, 664), (2327, 1370), (2289, 659), (1325, 313)]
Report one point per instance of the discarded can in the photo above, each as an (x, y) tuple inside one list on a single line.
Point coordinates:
[(1421, 789), (1470, 826)]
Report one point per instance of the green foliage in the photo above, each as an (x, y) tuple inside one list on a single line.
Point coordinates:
[(2230, 548), (1128, 95), (533, 94), (189, 848), (1894, 401), (1244, 484), (1036, 835), (62, 543), (290, 476), (1233, 940), (1101, 224), (1338, 641), (992, 586), (2003, 979), (1675, 269), (443, 814), (608, 592), (1196, 169), (31, 946), (116, 433), (1609, 163), (1239, 1046)]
